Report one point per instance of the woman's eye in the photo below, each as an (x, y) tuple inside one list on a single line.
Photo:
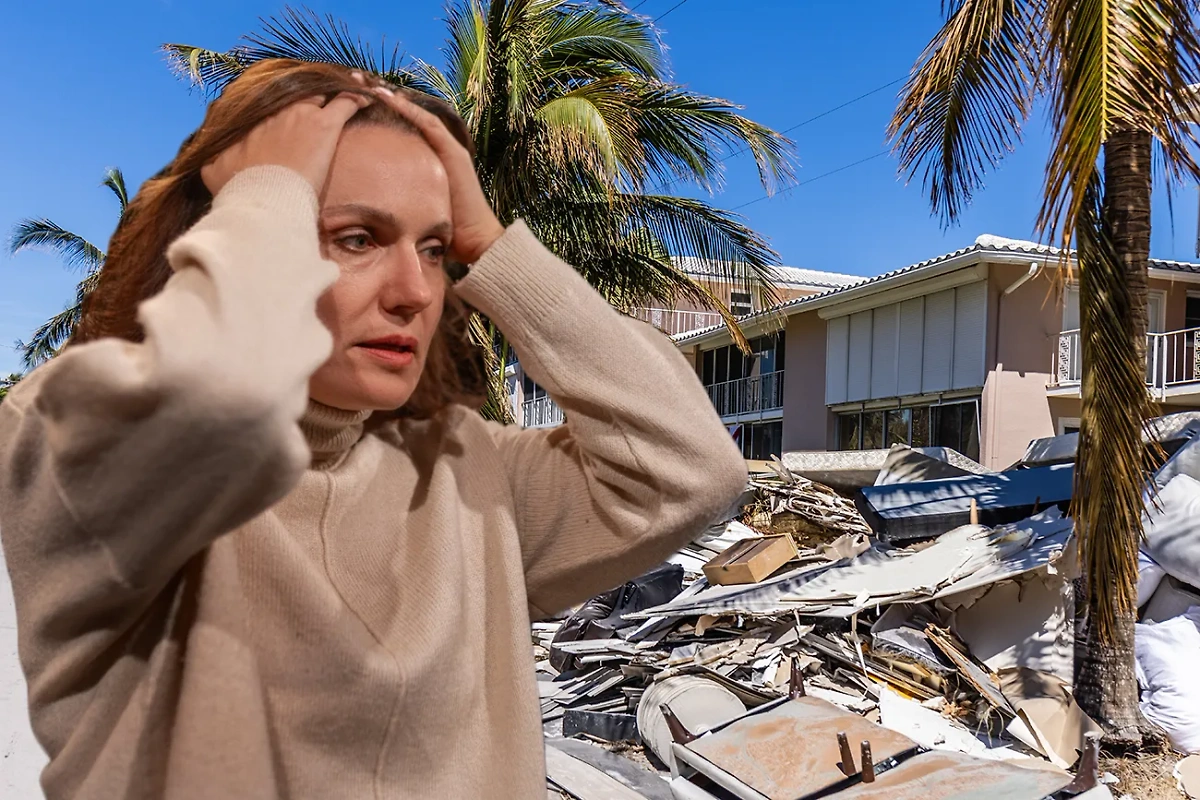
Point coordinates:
[(355, 242)]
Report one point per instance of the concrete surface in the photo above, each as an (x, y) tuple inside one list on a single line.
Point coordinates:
[(21, 758)]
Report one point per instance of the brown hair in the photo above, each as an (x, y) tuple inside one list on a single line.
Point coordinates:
[(172, 201)]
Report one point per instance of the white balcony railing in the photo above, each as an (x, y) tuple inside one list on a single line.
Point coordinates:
[(748, 395), (672, 322), (1172, 359), (541, 412)]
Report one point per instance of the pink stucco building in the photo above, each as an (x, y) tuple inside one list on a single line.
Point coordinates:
[(976, 350)]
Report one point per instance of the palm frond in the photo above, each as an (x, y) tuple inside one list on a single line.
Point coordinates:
[(970, 92), (593, 233), (49, 337), (114, 180), (578, 37), (1123, 66), (75, 251), (682, 133), (467, 69), (298, 33), (1110, 468), (208, 70), (590, 126)]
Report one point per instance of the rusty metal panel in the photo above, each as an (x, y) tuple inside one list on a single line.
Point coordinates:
[(791, 750), (947, 775)]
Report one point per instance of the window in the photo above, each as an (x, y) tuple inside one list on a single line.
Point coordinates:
[(898, 426), (1191, 314), (849, 431), (956, 425), (531, 390), (953, 425), (1068, 425), (739, 303), (763, 440), (872, 436), (730, 364)]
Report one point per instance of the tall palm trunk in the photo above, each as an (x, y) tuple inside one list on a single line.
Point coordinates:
[(1111, 465)]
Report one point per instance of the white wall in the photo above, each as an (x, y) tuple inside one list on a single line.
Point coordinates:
[(21, 758)]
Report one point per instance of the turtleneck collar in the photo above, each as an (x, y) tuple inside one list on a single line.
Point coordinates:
[(331, 431)]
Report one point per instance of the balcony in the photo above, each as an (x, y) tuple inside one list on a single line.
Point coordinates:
[(754, 395), (541, 412), (672, 322), (1172, 365)]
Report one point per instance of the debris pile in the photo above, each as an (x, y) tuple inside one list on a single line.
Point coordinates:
[(912, 638)]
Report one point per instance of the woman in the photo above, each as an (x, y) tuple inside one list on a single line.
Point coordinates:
[(261, 543)]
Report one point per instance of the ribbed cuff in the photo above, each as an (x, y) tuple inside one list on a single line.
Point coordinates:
[(269, 186), (522, 285)]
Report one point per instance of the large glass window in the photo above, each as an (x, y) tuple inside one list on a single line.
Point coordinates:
[(872, 435), (762, 440), (953, 425)]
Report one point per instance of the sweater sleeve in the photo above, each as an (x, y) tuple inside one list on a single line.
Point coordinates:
[(642, 463), (119, 461)]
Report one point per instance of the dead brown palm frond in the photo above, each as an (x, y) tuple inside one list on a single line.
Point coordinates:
[(970, 92), (1125, 66), (1110, 459)]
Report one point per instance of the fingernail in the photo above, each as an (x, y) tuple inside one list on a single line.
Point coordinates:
[(385, 91), (356, 75)]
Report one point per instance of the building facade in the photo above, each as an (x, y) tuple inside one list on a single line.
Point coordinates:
[(533, 408), (977, 350)]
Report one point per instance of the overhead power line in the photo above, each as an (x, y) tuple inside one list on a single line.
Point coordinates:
[(801, 124), (669, 10), (814, 179)]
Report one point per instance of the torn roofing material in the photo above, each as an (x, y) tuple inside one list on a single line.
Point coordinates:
[(928, 508), (965, 558)]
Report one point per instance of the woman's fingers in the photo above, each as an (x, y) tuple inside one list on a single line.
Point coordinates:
[(428, 123), (341, 108)]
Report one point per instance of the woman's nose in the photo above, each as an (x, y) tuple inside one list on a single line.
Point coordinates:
[(406, 288)]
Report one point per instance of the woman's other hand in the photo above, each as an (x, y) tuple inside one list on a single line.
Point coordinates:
[(302, 137), (475, 224)]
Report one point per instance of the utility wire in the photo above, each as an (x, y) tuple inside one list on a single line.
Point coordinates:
[(825, 113), (813, 179), (669, 10)]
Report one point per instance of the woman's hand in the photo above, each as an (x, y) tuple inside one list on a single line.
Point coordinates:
[(475, 224), (302, 137)]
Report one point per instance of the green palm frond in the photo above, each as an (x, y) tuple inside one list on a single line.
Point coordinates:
[(298, 33), (683, 133), (578, 38), (304, 35), (49, 337), (114, 180), (971, 90), (466, 55), (207, 69), (1123, 66), (75, 251)]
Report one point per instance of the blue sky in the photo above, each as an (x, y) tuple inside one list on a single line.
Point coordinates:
[(84, 86)]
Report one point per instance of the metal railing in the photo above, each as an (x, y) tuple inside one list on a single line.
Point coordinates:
[(1172, 359), (671, 322), (541, 412), (748, 395)]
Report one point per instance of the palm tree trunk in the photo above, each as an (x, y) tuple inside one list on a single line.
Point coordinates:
[(1110, 464)]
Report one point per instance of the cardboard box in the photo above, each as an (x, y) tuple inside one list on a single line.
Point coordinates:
[(750, 560)]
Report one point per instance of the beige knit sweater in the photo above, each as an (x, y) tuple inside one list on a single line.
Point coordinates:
[(221, 594)]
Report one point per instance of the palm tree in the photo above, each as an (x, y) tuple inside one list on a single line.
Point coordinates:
[(1115, 76), (573, 120), (8, 383), (77, 253)]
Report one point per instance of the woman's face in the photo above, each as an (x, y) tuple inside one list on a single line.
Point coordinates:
[(385, 221)]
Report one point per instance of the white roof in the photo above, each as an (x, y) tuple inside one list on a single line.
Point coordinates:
[(784, 276)]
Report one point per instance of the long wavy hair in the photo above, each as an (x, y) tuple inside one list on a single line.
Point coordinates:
[(172, 201)]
